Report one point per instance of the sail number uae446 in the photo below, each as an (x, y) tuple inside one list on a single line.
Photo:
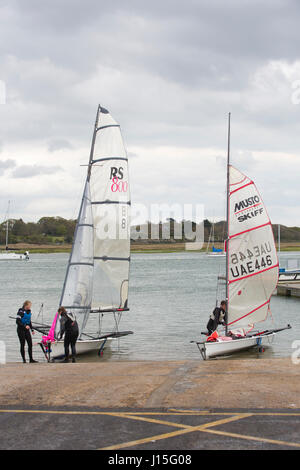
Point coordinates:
[(251, 261)]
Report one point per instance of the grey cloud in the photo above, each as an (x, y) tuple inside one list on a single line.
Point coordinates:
[(28, 171), (58, 144), (132, 155), (210, 47), (168, 71), (6, 164)]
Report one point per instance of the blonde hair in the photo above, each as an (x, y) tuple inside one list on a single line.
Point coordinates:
[(27, 302)]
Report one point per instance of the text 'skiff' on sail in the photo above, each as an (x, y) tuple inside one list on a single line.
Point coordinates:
[(253, 267)]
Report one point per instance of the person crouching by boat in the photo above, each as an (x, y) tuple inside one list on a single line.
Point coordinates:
[(24, 329), (69, 328), (217, 318)]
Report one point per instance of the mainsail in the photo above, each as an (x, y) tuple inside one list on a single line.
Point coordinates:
[(98, 269), (110, 199), (252, 265)]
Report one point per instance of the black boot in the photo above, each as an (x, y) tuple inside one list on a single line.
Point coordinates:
[(32, 360)]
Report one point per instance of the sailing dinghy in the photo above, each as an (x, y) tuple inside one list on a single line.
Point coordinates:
[(214, 251), (7, 254), (252, 268), (96, 281)]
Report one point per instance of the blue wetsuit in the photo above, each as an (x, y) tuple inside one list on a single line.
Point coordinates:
[(24, 319)]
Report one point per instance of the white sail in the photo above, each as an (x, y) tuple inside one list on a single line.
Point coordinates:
[(77, 291), (252, 258), (110, 197)]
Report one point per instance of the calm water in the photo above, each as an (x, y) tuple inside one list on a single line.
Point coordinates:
[(171, 297)]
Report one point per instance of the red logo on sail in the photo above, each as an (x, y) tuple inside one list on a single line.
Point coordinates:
[(120, 186)]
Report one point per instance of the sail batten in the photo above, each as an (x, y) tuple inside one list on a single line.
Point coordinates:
[(108, 125), (109, 158), (111, 202)]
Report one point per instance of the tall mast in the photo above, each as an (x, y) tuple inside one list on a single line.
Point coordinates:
[(227, 220), (7, 225), (93, 143)]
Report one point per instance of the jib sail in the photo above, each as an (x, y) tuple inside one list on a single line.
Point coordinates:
[(78, 287)]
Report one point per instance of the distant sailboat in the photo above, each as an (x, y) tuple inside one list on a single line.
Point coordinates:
[(211, 240), (7, 254), (97, 274), (252, 268)]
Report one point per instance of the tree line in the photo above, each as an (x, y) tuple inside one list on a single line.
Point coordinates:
[(57, 230), (48, 230)]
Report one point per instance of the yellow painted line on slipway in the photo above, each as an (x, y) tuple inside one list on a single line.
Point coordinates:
[(185, 429), (201, 428), (253, 438), (172, 412)]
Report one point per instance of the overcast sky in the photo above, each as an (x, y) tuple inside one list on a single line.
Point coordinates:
[(169, 72)]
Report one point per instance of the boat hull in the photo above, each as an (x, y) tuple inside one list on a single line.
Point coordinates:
[(217, 255), (13, 256), (82, 347), (214, 349)]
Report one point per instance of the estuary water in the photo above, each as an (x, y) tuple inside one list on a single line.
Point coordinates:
[(171, 296)]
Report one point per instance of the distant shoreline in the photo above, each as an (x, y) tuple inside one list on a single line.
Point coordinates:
[(135, 247)]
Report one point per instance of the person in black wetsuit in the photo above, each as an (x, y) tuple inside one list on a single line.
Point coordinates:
[(69, 328), (217, 318), (24, 327)]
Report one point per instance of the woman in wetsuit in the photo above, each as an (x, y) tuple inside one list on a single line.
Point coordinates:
[(24, 329), (69, 328)]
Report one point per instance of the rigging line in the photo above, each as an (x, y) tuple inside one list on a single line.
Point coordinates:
[(41, 310), (112, 202), (99, 324), (218, 284), (77, 263), (266, 295), (110, 258)]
